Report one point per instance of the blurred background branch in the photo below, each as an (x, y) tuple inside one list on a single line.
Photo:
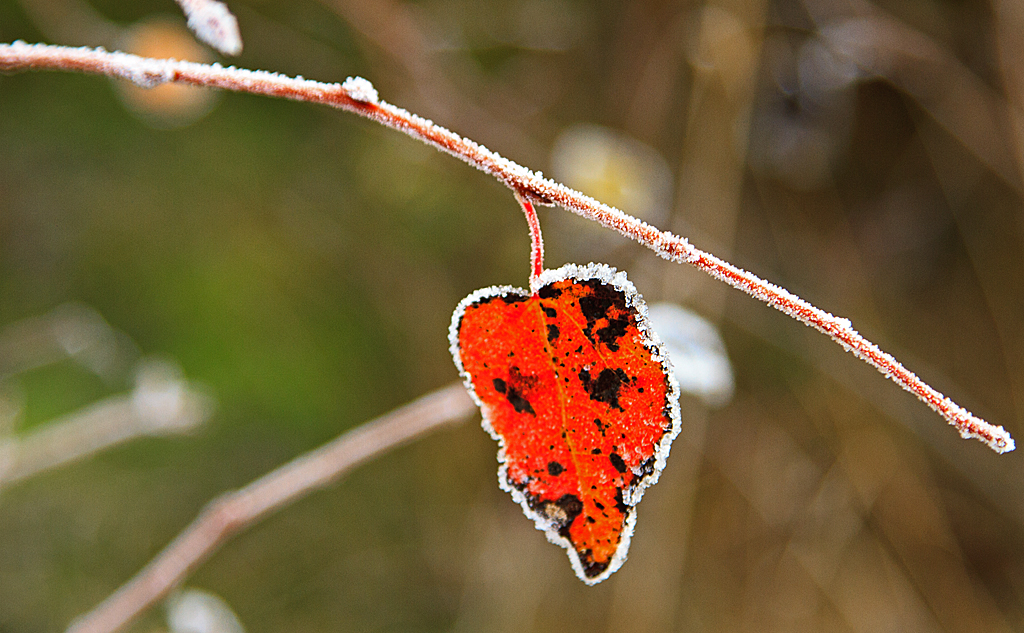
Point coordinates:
[(235, 511), (162, 404)]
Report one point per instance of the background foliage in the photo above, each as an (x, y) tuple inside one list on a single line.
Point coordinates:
[(303, 265)]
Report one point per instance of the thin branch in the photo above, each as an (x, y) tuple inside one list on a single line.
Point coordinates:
[(234, 511), (358, 96), (214, 24)]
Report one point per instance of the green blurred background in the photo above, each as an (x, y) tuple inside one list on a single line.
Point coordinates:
[(301, 265)]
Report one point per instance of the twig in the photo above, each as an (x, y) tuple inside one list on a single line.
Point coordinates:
[(214, 24), (358, 96), (235, 511)]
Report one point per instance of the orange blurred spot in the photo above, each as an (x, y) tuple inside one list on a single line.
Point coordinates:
[(167, 105)]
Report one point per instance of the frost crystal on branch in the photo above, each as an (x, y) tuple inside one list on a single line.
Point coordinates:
[(214, 24), (360, 90)]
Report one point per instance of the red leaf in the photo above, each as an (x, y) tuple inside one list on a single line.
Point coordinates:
[(575, 388)]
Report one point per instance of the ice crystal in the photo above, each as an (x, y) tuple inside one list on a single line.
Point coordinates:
[(361, 90)]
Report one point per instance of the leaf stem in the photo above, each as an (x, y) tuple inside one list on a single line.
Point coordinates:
[(536, 241)]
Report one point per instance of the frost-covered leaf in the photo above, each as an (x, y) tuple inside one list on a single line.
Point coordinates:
[(581, 398)]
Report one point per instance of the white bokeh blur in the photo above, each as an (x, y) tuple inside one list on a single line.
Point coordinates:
[(697, 353)]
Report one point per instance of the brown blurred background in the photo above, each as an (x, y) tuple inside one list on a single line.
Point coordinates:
[(300, 266)]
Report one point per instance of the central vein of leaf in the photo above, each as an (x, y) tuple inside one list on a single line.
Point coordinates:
[(582, 490)]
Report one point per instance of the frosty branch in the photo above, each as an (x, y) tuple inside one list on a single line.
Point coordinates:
[(358, 95)]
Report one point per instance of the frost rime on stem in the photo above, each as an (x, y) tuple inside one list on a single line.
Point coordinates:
[(359, 97), (360, 90), (214, 24)]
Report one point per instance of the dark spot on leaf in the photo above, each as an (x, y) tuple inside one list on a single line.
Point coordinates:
[(595, 306), (499, 385), (552, 333), (519, 403), (619, 503), (549, 292), (596, 451), (591, 568), (516, 387), (555, 469), (599, 305), (507, 299), (617, 462), (611, 333), (606, 387), (550, 312), (571, 506)]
